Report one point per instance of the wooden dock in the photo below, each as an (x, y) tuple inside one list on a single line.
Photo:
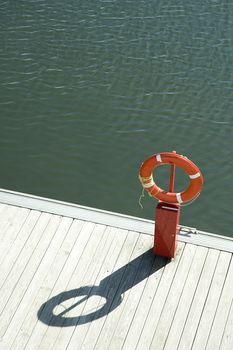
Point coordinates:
[(79, 278)]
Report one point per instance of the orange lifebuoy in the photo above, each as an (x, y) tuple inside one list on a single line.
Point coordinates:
[(147, 181)]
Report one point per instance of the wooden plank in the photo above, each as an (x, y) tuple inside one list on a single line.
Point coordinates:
[(107, 332), (134, 296), (70, 232), (199, 300), (97, 300), (221, 316), (83, 232), (13, 223), (22, 261), (173, 298), (26, 315), (211, 303), (227, 338), (144, 304), (7, 217), (28, 274), (178, 322), (110, 289), (87, 279), (94, 243), (11, 256), (2, 207), (160, 296)]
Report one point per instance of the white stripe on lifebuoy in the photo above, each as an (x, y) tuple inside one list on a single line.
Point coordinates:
[(158, 158), (148, 184), (194, 176), (178, 197)]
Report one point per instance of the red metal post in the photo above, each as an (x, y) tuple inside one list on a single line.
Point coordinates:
[(167, 219), (172, 178)]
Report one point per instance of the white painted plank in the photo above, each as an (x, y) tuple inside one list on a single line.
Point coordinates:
[(227, 338), (22, 261), (12, 255), (7, 217), (52, 276), (222, 312), (92, 304), (126, 284), (160, 296), (50, 336), (178, 322), (11, 230), (2, 207), (28, 274), (63, 280), (144, 304), (134, 295), (211, 304), (199, 300), (110, 289), (81, 278), (173, 298), (26, 315)]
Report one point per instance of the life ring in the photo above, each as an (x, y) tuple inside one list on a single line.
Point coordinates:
[(147, 181)]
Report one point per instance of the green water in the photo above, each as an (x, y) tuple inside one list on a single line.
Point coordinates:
[(89, 89)]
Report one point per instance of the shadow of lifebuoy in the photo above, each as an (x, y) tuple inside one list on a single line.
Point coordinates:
[(47, 313), (111, 290)]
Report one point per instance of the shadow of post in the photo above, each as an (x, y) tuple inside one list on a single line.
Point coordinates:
[(111, 288)]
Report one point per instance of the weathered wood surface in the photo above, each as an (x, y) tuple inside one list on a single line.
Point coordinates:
[(72, 284)]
